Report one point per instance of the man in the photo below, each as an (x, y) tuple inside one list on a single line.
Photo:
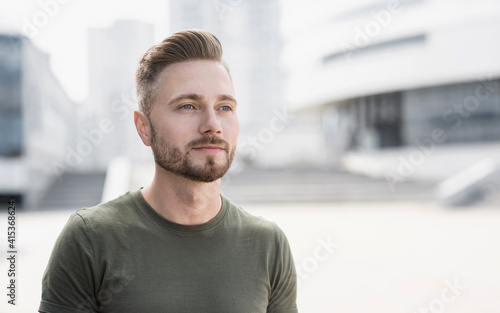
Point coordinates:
[(177, 245)]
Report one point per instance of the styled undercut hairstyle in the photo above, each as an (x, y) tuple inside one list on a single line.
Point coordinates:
[(185, 45)]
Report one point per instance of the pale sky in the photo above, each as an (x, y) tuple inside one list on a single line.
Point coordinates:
[(64, 35)]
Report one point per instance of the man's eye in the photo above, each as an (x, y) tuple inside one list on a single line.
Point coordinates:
[(225, 108), (187, 107)]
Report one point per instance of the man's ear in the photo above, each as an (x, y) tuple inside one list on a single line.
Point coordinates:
[(143, 127)]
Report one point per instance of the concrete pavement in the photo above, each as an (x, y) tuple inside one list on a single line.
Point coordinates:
[(386, 257)]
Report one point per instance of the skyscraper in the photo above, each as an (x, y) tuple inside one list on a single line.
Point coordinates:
[(113, 56), (249, 32), (37, 121)]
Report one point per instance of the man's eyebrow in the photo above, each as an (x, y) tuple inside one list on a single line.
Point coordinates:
[(197, 97), (226, 98), (188, 96)]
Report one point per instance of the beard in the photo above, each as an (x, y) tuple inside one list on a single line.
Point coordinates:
[(174, 160)]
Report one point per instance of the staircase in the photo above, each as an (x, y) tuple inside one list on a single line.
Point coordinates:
[(255, 185), (74, 191)]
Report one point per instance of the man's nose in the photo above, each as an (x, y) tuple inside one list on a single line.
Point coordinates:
[(210, 123)]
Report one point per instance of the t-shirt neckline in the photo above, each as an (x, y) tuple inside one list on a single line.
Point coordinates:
[(150, 212)]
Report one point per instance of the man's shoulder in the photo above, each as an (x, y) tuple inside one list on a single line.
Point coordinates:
[(110, 212), (252, 223)]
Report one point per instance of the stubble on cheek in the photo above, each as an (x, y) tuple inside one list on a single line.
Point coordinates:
[(172, 159)]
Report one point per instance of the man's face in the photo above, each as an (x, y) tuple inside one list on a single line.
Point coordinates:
[(194, 126)]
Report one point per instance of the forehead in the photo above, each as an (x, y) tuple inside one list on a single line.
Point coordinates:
[(209, 80), (195, 74)]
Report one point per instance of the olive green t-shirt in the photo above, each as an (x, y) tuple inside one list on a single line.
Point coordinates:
[(122, 256)]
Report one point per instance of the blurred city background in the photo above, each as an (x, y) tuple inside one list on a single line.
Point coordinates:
[(369, 129)]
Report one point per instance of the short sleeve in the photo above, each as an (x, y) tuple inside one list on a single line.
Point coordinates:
[(284, 281), (69, 284)]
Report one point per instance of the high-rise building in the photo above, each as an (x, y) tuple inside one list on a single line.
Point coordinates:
[(250, 35), (37, 119), (114, 53)]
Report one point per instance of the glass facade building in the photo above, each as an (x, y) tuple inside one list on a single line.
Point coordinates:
[(11, 130), (386, 77), (37, 122)]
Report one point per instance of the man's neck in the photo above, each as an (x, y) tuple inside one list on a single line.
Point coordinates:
[(181, 200)]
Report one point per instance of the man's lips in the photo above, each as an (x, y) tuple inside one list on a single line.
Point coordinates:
[(209, 148)]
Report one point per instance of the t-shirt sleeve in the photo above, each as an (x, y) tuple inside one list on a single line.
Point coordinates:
[(283, 296), (69, 284)]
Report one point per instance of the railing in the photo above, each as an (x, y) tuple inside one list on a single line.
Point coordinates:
[(471, 184), (117, 179)]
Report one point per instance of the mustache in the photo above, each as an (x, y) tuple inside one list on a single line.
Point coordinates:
[(209, 140)]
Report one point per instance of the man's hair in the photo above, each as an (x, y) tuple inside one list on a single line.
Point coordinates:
[(185, 45)]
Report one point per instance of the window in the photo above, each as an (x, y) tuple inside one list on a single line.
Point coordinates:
[(10, 97)]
